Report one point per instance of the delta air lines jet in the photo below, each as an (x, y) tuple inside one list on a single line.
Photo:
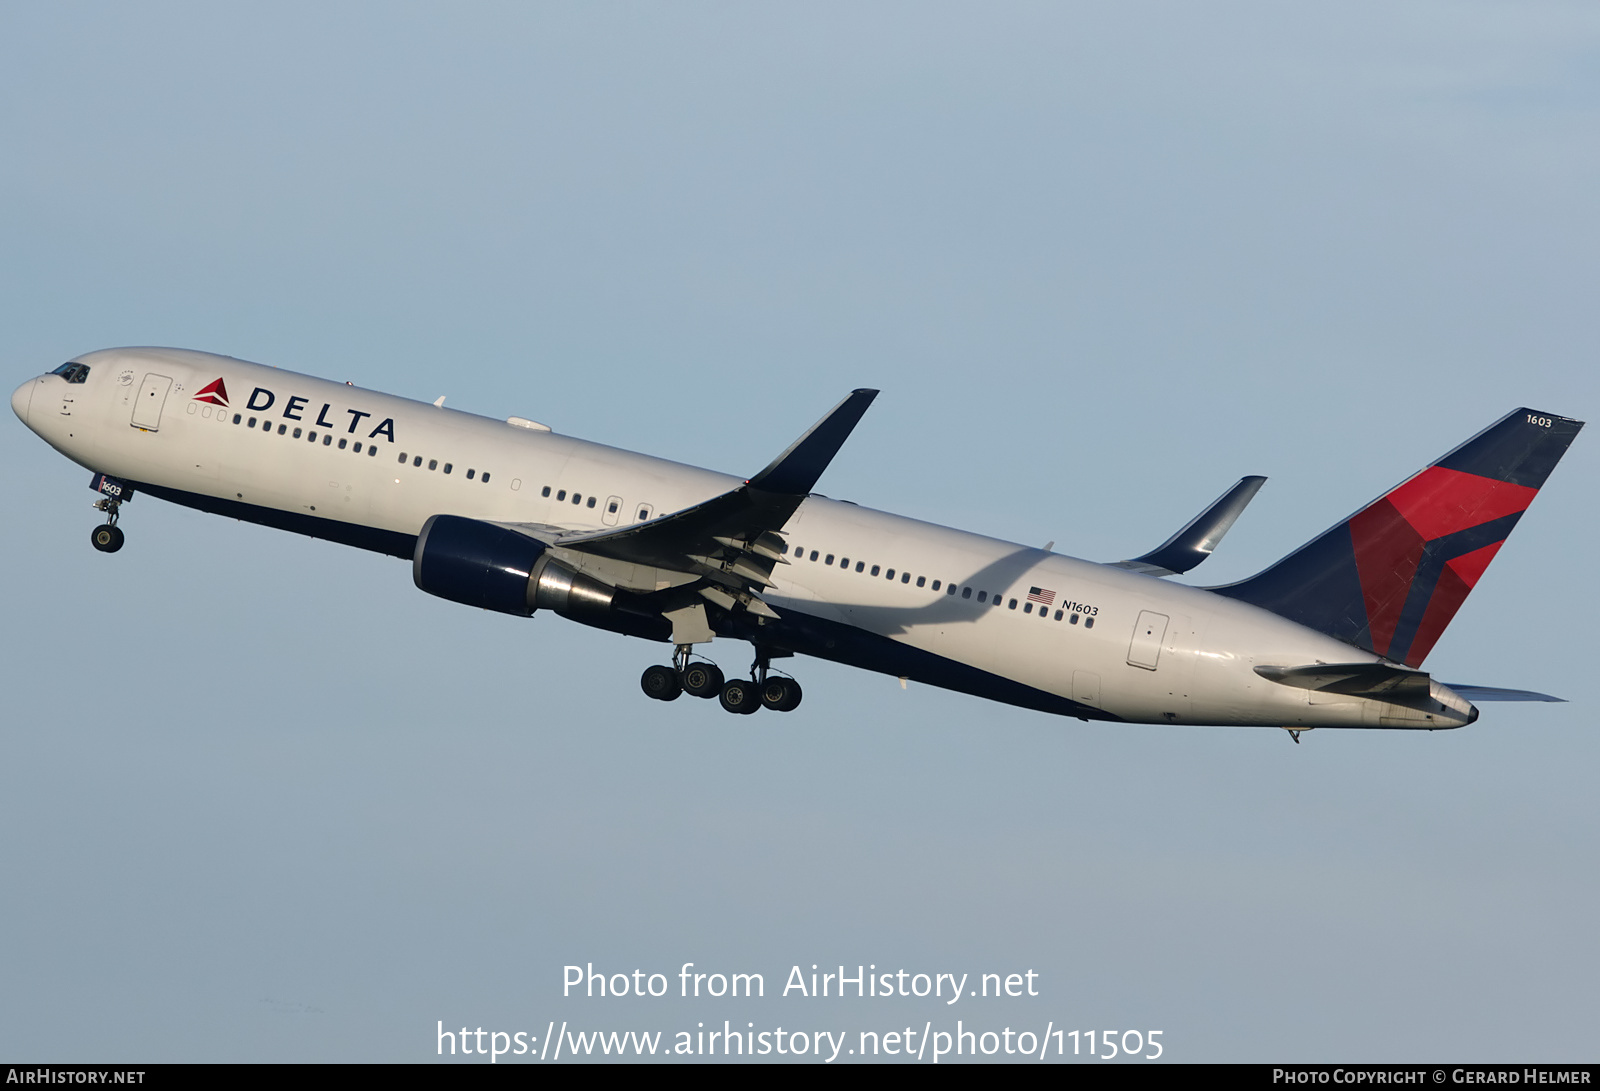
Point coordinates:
[(512, 516)]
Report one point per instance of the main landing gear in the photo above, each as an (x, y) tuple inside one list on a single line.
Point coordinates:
[(107, 537), (699, 679)]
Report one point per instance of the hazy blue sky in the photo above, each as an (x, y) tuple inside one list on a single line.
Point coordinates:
[(262, 799)]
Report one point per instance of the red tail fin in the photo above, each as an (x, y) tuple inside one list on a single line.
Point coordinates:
[(1390, 578)]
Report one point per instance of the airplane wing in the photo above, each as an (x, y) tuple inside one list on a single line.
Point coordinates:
[(1490, 693), (1199, 536), (732, 540)]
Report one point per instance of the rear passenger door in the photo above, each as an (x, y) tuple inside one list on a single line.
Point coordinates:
[(1148, 633)]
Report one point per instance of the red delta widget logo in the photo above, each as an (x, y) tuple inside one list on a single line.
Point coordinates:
[(215, 393)]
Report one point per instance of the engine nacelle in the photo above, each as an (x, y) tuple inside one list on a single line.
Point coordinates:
[(477, 564), (484, 565)]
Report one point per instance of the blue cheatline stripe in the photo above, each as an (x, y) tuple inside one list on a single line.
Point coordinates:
[(796, 632)]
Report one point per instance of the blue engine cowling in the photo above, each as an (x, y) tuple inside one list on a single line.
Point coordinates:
[(488, 566), (477, 563)]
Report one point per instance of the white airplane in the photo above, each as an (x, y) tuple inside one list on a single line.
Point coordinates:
[(511, 516)]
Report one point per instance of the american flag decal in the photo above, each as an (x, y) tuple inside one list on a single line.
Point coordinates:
[(1040, 595)]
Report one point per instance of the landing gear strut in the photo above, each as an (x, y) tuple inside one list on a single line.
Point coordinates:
[(107, 537)]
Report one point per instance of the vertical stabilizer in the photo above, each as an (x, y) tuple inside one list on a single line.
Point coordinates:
[(1390, 578)]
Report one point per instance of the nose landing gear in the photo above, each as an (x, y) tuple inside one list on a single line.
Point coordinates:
[(107, 537)]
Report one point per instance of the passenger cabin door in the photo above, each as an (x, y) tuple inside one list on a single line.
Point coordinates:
[(1148, 633), (147, 406)]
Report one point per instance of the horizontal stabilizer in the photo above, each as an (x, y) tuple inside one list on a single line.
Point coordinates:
[(1194, 543), (1379, 681), (1489, 693)]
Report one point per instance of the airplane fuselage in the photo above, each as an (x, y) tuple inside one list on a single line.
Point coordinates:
[(901, 596)]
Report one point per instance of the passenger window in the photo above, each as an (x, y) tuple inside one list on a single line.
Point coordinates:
[(448, 467), (1072, 619), (545, 491), (358, 447), (251, 423), (1088, 623), (471, 474), (889, 575), (966, 592), (844, 562), (296, 432), (342, 444), (923, 579), (1058, 615), (1027, 607), (590, 504), (236, 418), (983, 596), (485, 478), (327, 439), (828, 560), (813, 554), (860, 565), (402, 458), (282, 428), (562, 495), (577, 499), (610, 508), (905, 577), (799, 551), (416, 460), (874, 570), (935, 585), (433, 464), (644, 513), (372, 451)]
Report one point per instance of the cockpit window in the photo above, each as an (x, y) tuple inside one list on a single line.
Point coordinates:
[(73, 373)]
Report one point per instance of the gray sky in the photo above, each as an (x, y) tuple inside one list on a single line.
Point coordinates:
[(261, 799)]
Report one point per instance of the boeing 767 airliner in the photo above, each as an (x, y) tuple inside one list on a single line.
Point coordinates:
[(511, 516)]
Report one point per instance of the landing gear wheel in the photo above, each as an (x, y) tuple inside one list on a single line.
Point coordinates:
[(740, 696), (781, 694), (661, 683), (106, 538), (702, 679)]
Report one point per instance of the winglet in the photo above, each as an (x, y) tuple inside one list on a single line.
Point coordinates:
[(795, 472), (1194, 543)]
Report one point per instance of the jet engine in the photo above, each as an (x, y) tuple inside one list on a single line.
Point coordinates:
[(494, 568)]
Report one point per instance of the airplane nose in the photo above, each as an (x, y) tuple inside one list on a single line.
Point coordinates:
[(21, 398)]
